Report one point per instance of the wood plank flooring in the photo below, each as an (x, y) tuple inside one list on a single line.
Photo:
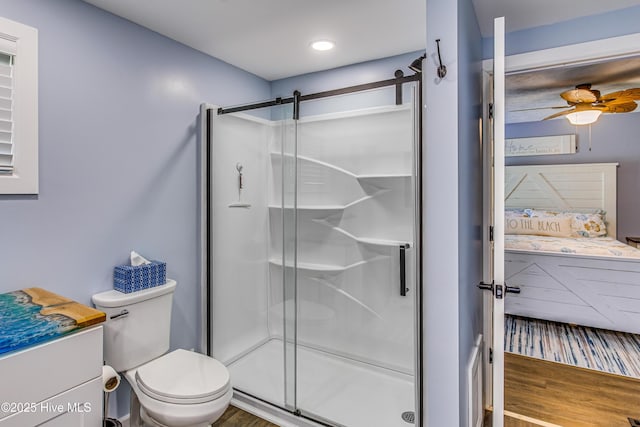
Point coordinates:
[(567, 395), (235, 417)]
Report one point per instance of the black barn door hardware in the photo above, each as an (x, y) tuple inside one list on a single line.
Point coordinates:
[(399, 74)]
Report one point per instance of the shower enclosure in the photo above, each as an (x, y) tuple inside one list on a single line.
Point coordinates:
[(313, 286)]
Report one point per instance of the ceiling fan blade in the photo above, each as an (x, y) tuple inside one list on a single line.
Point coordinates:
[(624, 95), (560, 114), (620, 108), (541, 108), (579, 96)]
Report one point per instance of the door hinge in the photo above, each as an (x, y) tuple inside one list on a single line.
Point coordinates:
[(491, 233), (491, 111), (490, 355)]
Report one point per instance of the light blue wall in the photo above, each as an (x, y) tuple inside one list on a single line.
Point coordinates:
[(118, 109), (118, 167), (453, 208), (614, 138), (440, 220), (364, 72), (470, 196), (588, 28)]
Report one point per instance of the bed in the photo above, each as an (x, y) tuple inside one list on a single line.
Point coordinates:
[(590, 281)]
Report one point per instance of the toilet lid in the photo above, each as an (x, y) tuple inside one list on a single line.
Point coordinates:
[(183, 377)]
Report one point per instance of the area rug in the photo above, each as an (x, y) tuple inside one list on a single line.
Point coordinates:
[(591, 348)]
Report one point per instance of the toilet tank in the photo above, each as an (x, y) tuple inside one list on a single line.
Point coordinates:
[(138, 325)]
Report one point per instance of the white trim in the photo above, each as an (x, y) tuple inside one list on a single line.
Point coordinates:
[(487, 259), (8, 44), (24, 179), (580, 53), (498, 219), (529, 419), (474, 385)]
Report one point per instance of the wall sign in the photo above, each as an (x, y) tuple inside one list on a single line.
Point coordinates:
[(540, 146)]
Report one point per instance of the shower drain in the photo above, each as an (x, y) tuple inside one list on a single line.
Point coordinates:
[(409, 417)]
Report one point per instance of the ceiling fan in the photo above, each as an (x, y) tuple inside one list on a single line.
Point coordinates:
[(587, 104)]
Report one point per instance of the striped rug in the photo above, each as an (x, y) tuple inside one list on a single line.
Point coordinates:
[(599, 349)]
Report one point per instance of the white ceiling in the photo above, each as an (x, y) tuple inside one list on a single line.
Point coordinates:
[(271, 38)]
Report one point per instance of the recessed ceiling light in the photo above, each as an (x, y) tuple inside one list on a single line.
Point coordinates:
[(323, 45)]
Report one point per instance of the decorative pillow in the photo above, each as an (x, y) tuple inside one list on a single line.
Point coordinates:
[(582, 224), (588, 225), (516, 213), (559, 226)]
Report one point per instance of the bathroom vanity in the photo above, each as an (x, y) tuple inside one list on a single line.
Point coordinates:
[(55, 378)]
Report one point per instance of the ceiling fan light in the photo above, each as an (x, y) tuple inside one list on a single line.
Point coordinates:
[(583, 117)]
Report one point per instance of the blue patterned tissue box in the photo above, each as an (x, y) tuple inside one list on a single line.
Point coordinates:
[(127, 278)]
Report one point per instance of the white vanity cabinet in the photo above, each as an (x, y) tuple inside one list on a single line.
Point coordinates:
[(54, 384)]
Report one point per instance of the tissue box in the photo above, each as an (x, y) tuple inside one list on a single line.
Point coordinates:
[(127, 278)]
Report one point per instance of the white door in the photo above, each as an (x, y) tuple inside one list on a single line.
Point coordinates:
[(498, 223)]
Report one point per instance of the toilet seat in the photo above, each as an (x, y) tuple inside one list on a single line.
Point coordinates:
[(183, 377)]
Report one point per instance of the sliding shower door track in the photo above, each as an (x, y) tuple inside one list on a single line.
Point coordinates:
[(326, 94), (238, 393)]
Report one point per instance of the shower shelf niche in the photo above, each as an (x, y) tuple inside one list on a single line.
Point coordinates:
[(310, 207), (383, 176), (373, 240), (322, 268), (340, 170)]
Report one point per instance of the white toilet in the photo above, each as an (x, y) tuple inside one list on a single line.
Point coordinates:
[(177, 389)]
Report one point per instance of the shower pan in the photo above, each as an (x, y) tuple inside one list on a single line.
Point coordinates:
[(313, 281)]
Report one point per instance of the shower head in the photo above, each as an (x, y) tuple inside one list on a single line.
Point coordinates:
[(416, 65)]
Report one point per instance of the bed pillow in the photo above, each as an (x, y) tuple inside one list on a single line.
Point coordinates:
[(558, 226), (588, 225), (582, 224), (512, 213)]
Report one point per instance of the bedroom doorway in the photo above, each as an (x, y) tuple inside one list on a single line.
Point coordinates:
[(552, 313)]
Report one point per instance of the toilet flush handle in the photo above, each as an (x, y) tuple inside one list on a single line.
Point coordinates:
[(123, 313)]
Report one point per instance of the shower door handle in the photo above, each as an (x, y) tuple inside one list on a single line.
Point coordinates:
[(403, 272)]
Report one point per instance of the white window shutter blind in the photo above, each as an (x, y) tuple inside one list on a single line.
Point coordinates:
[(7, 50)]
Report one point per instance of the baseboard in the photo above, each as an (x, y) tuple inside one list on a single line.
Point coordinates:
[(475, 386), (124, 420), (529, 419)]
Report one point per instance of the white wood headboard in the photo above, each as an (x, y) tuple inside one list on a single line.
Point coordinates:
[(575, 187)]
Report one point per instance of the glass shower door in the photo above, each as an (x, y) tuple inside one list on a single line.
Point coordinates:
[(355, 282), (314, 256), (253, 300)]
